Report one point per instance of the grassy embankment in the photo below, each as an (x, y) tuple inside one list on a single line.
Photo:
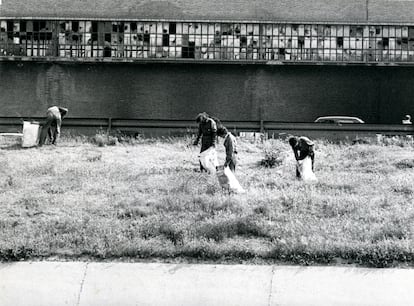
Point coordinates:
[(143, 199)]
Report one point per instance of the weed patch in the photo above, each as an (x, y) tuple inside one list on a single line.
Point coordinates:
[(405, 164), (230, 228)]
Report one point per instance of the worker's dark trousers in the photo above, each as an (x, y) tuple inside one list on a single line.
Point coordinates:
[(232, 164), (49, 129)]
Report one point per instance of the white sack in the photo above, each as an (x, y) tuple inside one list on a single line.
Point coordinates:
[(31, 135), (305, 169), (208, 159), (228, 180)]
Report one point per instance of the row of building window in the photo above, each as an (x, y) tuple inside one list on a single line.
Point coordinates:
[(207, 41)]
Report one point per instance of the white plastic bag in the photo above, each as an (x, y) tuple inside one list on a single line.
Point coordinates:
[(305, 170), (228, 180), (208, 159), (31, 133)]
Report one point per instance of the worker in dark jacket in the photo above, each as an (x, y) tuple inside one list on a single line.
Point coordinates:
[(207, 132), (230, 144), (302, 148), (51, 127)]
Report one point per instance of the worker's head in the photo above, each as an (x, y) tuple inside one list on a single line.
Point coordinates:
[(63, 111), (407, 117), (306, 140), (222, 131), (201, 117), (293, 141), (305, 143)]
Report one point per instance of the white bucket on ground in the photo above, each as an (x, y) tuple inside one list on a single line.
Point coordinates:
[(31, 131)]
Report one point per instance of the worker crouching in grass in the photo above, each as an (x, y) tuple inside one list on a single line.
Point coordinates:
[(52, 125), (303, 148)]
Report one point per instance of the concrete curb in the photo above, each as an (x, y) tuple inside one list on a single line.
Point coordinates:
[(78, 283)]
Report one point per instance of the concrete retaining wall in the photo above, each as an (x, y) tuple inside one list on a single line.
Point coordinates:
[(295, 93)]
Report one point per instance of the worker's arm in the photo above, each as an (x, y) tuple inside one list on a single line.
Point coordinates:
[(199, 133), (58, 125), (295, 151), (213, 127), (228, 144)]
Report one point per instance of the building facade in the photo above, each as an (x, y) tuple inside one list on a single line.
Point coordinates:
[(269, 60)]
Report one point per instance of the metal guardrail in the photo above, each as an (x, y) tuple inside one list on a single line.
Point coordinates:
[(9, 123), (341, 127)]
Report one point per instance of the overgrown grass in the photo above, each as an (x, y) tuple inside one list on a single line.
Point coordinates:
[(144, 198)]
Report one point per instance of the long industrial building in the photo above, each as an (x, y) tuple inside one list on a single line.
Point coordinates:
[(272, 60)]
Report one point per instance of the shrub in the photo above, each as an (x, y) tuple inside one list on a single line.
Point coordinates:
[(104, 140), (271, 158), (112, 141)]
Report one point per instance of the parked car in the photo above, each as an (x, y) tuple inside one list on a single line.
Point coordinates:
[(338, 120)]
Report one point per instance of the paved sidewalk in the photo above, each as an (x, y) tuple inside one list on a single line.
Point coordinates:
[(79, 283)]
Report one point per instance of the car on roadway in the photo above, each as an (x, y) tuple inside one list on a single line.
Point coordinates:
[(338, 120)]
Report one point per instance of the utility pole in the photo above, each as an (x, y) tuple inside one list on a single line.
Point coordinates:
[(366, 6)]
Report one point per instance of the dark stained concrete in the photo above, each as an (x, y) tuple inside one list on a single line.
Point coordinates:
[(289, 93)]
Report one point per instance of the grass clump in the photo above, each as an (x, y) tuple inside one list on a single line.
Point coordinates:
[(274, 155), (102, 140), (229, 228), (401, 141), (405, 164)]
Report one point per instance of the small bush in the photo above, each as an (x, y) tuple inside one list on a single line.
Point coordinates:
[(112, 141), (129, 137), (99, 140), (271, 159), (104, 140)]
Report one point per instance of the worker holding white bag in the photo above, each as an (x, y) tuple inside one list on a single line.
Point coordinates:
[(230, 144), (226, 176), (207, 132)]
